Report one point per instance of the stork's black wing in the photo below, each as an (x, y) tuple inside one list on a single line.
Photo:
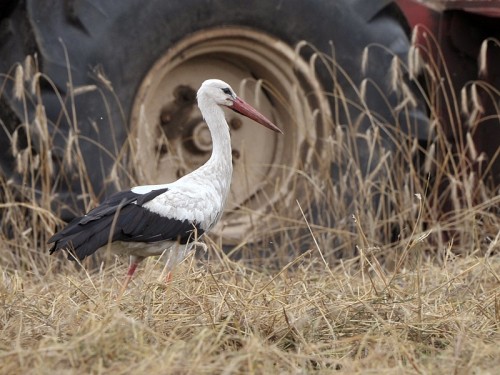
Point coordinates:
[(121, 217)]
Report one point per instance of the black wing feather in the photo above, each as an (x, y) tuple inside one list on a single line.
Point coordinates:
[(122, 212)]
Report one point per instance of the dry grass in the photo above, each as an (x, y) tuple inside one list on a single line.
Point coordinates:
[(222, 317), (410, 285)]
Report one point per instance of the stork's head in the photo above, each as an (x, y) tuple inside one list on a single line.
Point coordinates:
[(220, 93)]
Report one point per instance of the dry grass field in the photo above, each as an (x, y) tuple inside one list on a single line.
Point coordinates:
[(223, 317), (413, 288)]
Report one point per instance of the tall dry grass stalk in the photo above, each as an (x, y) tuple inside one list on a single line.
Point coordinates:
[(384, 257)]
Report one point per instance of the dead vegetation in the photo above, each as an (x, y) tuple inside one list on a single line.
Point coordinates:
[(404, 283), (222, 317)]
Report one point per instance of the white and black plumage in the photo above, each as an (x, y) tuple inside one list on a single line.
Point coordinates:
[(151, 219)]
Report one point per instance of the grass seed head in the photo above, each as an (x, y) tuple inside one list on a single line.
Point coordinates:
[(476, 100), (483, 58), (19, 82)]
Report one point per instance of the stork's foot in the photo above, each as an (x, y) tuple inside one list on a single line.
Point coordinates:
[(168, 278)]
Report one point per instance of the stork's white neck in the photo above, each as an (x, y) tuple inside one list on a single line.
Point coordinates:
[(219, 168), (221, 139)]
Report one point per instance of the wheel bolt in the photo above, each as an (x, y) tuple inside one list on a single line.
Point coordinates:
[(165, 117), (181, 172), (235, 123)]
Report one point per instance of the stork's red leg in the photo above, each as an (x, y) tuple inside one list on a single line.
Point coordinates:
[(134, 262), (131, 269)]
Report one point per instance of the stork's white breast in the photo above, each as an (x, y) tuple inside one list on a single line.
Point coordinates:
[(191, 202)]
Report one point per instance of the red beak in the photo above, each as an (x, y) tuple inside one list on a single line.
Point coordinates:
[(242, 107)]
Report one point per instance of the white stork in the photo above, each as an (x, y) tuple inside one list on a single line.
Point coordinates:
[(152, 219)]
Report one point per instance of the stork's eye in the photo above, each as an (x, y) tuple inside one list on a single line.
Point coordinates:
[(227, 90)]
